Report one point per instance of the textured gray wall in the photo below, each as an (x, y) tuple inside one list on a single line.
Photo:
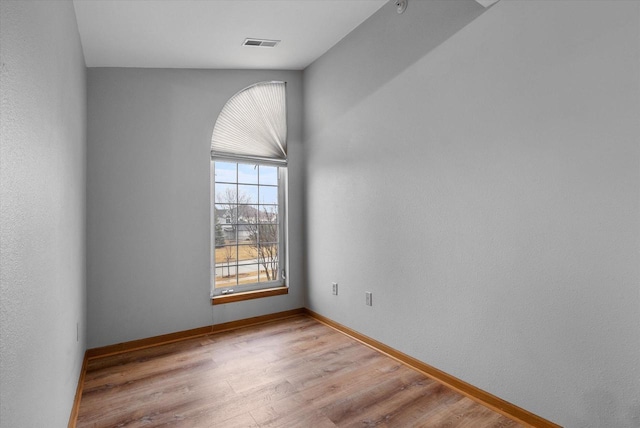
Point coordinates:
[(149, 137), (42, 212), (482, 178)]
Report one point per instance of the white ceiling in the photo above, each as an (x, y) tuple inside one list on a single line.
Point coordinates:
[(209, 33)]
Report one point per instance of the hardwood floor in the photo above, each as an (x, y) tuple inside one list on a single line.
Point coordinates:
[(295, 372)]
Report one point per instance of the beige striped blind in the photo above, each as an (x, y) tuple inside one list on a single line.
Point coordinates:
[(253, 124)]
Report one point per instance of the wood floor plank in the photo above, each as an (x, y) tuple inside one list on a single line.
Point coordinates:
[(286, 373), (415, 410), (244, 420), (358, 407)]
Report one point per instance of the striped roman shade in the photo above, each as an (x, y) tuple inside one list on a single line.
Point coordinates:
[(253, 125)]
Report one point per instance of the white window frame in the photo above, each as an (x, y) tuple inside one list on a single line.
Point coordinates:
[(282, 280)]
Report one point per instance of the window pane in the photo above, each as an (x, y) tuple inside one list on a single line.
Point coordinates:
[(268, 233), (226, 269), (247, 214), (268, 271), (247, 174), (268, 195), (268, 256), (248, 274), (268, 175), (225, 280), (246, 254), (226, 194), (225, 171), (221, 213), (247, 194), (268, 213), (226, 254)]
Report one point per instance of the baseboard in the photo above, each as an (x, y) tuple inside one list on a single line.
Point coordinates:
[(486, 399), (187, 334), (76, 401)]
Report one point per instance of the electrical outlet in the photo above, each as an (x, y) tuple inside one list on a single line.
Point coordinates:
[(334, 288), (368, 298)]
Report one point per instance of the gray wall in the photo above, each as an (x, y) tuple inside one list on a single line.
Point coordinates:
[(149, 134), (483, 181), (42, 212)]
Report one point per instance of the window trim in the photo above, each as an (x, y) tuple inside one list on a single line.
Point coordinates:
[(248, 295), (258, 289)]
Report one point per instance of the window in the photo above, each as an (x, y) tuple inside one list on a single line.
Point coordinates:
[(249, 192), (249, 204)]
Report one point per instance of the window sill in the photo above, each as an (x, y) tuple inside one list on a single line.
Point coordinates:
[(248, 295)]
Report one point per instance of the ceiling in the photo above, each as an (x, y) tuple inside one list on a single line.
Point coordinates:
[(209, 33)]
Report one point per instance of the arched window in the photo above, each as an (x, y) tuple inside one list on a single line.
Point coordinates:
[(248, 180)]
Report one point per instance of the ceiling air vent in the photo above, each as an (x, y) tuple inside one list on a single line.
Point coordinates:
[(262, 43)]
